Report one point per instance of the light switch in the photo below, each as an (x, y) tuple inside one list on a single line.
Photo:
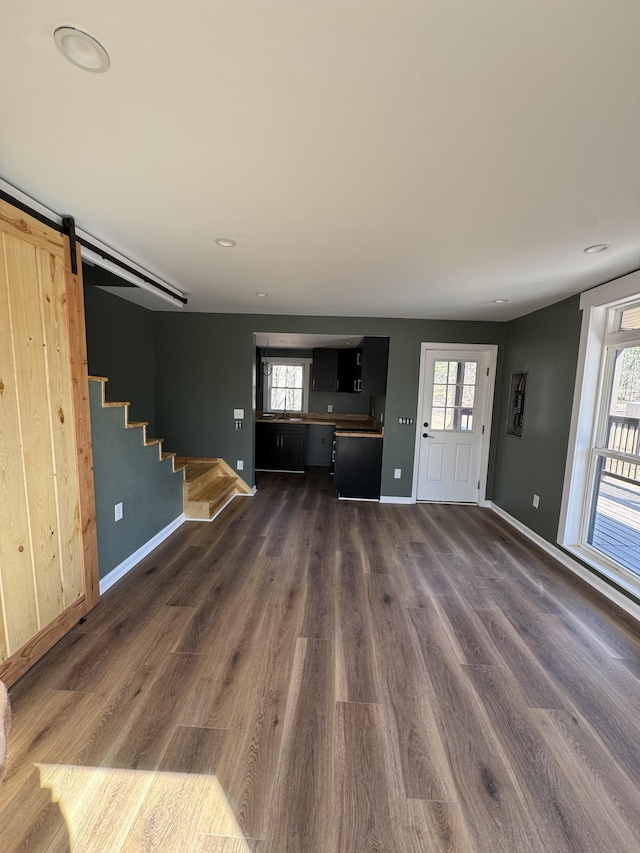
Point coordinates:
[(238, 414)]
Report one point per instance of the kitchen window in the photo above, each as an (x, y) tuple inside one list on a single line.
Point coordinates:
[(286, 384)]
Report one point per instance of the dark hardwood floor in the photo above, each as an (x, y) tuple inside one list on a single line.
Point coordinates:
[(304, 675)]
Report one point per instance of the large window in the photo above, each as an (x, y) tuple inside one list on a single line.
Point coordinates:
[(286, 385), (601, 506)]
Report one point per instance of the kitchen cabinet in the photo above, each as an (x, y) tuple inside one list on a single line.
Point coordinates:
[(324, 370), (375, 358), (364, 370), (358, 466), (349, 370), (280, 447)]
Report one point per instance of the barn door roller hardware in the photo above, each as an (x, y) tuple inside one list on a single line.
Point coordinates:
[(69, 225)]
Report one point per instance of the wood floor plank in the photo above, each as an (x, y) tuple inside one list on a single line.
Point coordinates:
[(220, 844), (355, 655), (609, 797), (564, 820), (302, 799), (307, 675), (472, 642), (37, 824), (422, 768), (487, 786), (193, 749), (533, 680), (249, 762), (429, 825), (366, 824), (597, 698), (319, 615)]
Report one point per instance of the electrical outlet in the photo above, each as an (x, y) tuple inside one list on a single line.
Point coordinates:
[(118, 511), (240, 465), (238, 424), (397, 474), (536, 501), (329, 408), (238, 414)]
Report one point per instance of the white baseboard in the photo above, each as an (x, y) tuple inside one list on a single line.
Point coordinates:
[(574, 566), (126, 565), (392, 499)]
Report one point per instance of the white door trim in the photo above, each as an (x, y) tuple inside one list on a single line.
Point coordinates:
[(487, 413)]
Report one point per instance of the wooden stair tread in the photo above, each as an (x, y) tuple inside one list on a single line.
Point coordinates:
[(215, 488), (168, 456), (109, 405), (99, 378), (133, 424), (196, 470), (151, 441), (221, 486)]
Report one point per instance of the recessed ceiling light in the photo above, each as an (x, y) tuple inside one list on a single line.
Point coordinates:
[(225, 242), (260, 293), (81, 49), (599, 247), (500, 301)]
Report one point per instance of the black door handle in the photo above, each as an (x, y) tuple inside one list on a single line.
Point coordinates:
[(426, 435)]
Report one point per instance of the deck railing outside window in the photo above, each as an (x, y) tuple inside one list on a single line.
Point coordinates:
[(623, 436)]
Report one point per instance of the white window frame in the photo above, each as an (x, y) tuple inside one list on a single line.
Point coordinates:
[(305, 363), (592, 380)]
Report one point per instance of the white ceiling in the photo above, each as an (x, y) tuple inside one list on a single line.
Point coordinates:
[(401, 158)]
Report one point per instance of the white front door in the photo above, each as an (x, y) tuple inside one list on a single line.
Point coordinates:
[(453, 424)]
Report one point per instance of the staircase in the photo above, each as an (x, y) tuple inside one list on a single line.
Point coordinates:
[(209, 483)]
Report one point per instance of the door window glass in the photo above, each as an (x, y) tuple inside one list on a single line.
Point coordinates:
[(454, 394)]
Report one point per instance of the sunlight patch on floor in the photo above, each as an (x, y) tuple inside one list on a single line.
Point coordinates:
[(131, 810)]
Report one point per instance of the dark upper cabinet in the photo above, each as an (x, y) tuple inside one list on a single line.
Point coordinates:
[(375, 358), (364, 370), (349, 370), (324, 370), (280, 446)]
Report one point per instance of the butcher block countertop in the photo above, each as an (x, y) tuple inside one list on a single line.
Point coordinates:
[(356, 425)]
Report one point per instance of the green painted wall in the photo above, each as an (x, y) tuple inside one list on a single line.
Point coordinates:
[(120, 345), (125, 470), (205, 367), (545, 344)]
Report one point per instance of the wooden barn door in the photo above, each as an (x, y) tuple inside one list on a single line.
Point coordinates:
[(48, 552)]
